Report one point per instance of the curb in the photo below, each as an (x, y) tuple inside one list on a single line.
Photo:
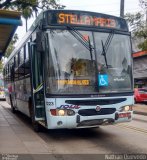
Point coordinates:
[(139, 112)]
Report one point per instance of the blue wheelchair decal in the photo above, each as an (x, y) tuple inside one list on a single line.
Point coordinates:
[(103, 80)]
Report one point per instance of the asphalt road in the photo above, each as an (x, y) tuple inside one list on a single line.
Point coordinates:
[(17, 136)]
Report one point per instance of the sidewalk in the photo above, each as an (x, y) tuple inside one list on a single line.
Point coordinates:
[(16, 137), (140, 109)]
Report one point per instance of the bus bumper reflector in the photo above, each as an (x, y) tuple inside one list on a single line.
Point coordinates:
[(124, 115)]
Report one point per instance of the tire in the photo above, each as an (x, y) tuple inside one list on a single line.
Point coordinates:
[(12, 106), (36, 126), (135, 101)]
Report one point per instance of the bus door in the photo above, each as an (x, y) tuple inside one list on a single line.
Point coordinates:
[(37, 83)]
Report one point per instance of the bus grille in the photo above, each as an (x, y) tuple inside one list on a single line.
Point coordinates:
[(93, 112), (91, 102)]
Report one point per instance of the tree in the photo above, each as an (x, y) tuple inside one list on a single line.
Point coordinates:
[(27, 13), (8, 51), (143, 4), (1, 66), (28, 7), (138, 24), (34, 4), (11, 45)]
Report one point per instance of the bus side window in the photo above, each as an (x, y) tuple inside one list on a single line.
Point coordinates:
[(26, 52), (8, 70), (21, 56), (16, 61), (12, 73)]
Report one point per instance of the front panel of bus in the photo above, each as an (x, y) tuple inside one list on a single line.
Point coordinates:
[(88, 77)]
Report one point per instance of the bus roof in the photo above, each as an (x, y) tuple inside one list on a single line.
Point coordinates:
[(9, 21)]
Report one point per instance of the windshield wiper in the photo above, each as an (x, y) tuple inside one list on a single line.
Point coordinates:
[(82, 40), (104, 53), (106, 46)]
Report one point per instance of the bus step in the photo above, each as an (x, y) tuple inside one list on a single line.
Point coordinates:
[(42, 122), (39, 106), (40, 118)]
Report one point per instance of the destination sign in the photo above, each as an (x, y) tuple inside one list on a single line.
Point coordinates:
[(74, 82), (87, 19)]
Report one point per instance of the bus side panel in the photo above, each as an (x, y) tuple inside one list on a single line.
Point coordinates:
[(7, 87), (23, 93)]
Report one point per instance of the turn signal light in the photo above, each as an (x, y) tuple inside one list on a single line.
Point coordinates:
[(53, 112)]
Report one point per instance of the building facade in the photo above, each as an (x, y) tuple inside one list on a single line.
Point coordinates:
[(140, 69)]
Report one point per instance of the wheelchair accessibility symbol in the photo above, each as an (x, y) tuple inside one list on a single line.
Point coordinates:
[(103, 80)]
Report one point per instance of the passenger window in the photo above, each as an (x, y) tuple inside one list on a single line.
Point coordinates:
[(16, 61), (26, 52), (21, 56)]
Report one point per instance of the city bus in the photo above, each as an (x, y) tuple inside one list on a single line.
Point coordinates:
[(73, 69)]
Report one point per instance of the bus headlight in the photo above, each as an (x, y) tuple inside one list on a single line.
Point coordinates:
[(61, 112), (70, 112), (125, 108)]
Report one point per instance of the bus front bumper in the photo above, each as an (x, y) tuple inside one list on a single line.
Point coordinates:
[(118, 117), (78, 121)]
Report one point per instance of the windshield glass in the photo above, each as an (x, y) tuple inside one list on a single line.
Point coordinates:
[(74, 69), (114, 62)]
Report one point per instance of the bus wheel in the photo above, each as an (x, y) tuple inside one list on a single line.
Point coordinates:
[(135, 101), (12, 106), (35, 124)]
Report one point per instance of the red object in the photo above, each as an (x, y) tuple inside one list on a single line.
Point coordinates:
[(10, 89), (123, 115), (139, 54), (53, 112), (140, 95)]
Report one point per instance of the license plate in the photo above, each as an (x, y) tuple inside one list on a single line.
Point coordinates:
[(124, 115)]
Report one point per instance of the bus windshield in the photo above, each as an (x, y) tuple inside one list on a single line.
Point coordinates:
[(73, 69)]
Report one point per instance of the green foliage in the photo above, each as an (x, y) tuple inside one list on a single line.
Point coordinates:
[(143, 4), (143, 45), (33, 5), (28, 7), (11, 45), (138, 24), (135, 21), (1, 66), (9, 50)]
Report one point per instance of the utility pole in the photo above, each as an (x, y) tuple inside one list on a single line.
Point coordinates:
[(122, 8), (146, 18)]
